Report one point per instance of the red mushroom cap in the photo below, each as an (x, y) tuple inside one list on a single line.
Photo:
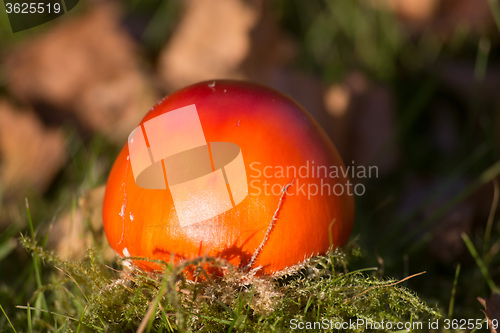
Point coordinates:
[(204, 174)]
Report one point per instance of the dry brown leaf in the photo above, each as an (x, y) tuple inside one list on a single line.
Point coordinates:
[(271, 49), (80, 228), (69, 235), (115, 106), (211, 41), (414, 11), (87, 66), (471, 14), (91, 205), (443, 17), (374, 128), (364, 122), (57, 65), (491, 310), (30, 154)]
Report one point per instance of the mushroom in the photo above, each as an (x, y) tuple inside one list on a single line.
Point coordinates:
[(229, 169)]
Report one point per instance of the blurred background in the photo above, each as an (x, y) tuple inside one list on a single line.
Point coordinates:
[(412, 86)]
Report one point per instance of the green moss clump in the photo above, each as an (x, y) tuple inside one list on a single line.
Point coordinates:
[(87, 295)]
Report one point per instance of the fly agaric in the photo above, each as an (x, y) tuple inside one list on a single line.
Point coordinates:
[(232, 170)]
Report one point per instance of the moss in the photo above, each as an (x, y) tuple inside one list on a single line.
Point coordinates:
[(88, 295)]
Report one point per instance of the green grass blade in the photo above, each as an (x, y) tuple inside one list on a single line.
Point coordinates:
[(491, 217), (7, 247), (453, 292), (483, 52), (487, 176), (150, 315), (81, 319), (248, 309), (480, 263), (28, 311), (222, 321), (445, 186), (8, 319), (495, 11), (36, 262), (40, 301), (95, 328), (478, 326)]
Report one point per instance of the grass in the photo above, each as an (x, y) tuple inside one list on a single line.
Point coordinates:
[(88, 295), (480, 264), (40, 292)]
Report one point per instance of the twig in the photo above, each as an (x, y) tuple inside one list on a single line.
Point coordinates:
[(270, 227), (385, 285)]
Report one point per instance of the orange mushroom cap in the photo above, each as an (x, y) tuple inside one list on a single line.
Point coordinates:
[(205, 173)]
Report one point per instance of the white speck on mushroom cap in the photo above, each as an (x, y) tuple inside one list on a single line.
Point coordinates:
[(124, 206), (122, 212), (131, 217), (125, 252), (211, 84)]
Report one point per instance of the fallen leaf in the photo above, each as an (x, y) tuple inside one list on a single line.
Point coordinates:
[(91, 205), (211, 41), (80, 228), (491, 310), (115, 106), (31, 154), (87, 67), (364, 121), (470, 14), (411, 11)]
